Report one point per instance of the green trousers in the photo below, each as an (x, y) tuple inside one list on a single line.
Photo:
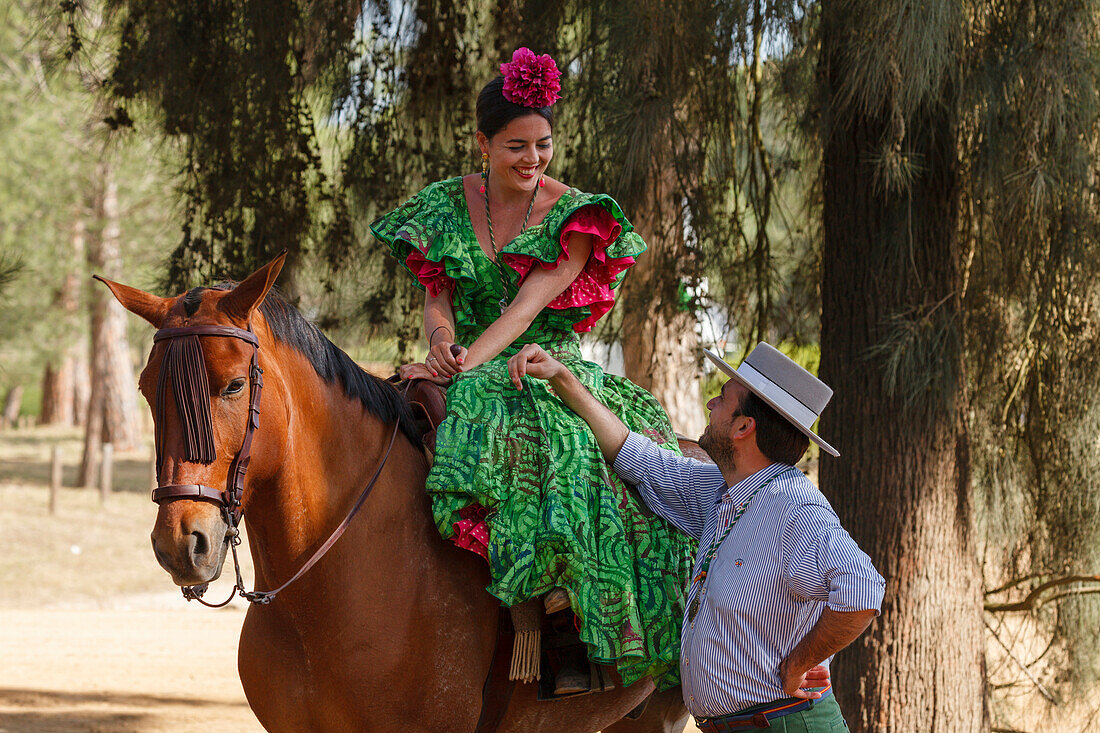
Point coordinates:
[(823, 717)]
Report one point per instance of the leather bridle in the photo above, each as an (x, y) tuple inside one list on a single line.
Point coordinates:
[(229, 500)]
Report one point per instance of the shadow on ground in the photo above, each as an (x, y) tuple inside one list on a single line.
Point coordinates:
[(42, 711)]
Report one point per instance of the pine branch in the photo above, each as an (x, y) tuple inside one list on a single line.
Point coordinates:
[(1039, 685), (1014, 582), (1035, 599)]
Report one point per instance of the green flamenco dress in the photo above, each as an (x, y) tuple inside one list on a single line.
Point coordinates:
[(518, 476)]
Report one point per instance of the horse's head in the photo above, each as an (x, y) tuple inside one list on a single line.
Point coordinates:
[(198, 384)]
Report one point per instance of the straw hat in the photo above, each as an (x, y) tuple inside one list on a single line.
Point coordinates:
[(788, 388)]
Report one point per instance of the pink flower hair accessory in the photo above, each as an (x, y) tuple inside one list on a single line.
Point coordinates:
[(530, 80)]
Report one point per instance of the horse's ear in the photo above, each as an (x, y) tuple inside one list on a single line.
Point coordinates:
[(152, 308), (251, 291)]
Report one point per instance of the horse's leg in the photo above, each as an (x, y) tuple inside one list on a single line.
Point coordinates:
[(270, 669), (665, 713)]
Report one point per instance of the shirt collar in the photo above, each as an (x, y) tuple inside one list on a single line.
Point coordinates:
[(741, 491)]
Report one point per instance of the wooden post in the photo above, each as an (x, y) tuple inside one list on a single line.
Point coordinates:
[(55, 477), (105, 478)]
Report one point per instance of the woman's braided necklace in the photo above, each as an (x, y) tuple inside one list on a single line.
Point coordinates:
[(493, 242)]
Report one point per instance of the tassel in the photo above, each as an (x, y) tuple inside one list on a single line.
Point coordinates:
[(525, 656), (527, 648)]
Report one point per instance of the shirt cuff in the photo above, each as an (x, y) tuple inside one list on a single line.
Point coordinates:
[(860, 593)]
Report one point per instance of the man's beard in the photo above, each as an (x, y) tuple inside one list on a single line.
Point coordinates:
[(719, 450)]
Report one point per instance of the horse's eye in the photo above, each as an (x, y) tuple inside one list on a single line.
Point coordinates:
[(234, 387)]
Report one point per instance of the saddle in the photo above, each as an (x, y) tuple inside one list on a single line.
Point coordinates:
[(428, 401)]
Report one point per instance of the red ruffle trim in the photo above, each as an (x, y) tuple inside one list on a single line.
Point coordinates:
[(471, 532), (592, 287), (430, 274)]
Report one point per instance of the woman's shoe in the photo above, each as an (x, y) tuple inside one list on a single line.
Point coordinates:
[(556, 600)]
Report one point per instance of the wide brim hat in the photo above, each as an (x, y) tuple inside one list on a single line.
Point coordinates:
[(786, 387)]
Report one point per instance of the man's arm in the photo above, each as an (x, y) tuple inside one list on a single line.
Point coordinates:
[(821, 561), (679, 489), (609, 430), (832, 632)]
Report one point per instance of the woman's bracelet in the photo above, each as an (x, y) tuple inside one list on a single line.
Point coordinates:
[(433, 334)]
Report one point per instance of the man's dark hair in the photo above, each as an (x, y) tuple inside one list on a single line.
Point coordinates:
[(494, 112), (776, 437)]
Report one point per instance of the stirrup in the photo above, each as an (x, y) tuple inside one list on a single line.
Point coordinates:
[(556, 600), (575, 674)]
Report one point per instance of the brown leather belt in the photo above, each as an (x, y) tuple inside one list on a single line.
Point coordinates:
[(759, 716)]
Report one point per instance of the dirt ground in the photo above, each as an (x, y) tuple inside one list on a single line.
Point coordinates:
[(93, 635), (118, 670)]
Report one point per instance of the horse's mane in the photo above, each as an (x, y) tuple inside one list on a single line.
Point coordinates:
[(380, 398)]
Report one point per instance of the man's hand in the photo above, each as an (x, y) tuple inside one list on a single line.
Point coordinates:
[(609, 430), (794, 683), (533, 360)]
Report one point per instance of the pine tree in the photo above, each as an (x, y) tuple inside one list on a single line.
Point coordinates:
[(892, 349)]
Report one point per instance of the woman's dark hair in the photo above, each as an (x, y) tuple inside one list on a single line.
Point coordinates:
[(494, 112), (776, 437)]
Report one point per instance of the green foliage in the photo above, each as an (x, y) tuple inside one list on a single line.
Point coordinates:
[(52, 144), (231, 81), (1032, 128)]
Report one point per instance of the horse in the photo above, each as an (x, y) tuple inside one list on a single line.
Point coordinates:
[(392, 629)]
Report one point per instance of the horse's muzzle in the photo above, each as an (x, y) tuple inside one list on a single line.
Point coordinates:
[(190, 545)]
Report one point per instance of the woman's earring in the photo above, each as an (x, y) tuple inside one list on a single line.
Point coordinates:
[(484, 170), (542, 182)]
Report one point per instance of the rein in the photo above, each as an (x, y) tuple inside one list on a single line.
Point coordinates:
[(192, 403)]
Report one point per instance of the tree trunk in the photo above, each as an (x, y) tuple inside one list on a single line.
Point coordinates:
[(57, 393), (121, 422), (112, 410), (61, 378), (82, 383), (901, 484), (660, 345), (93, 436), (13, 402)]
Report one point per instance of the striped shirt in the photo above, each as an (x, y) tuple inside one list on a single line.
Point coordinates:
[(785, 560)]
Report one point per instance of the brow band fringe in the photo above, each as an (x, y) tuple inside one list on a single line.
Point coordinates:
[(190, 388)]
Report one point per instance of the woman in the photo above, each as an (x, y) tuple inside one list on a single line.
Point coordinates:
[(508, 257)]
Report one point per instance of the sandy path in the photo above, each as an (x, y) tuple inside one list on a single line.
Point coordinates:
[(117, 671)]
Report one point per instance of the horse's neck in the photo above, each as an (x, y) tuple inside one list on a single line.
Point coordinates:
[(333, 447)]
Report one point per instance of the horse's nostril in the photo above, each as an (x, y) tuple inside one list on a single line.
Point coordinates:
[(201, 545)]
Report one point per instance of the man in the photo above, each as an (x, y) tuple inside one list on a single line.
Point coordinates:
[(778, 585)]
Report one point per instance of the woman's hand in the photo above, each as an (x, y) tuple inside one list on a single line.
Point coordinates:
[(417, 370), (445, 359), (532, 359)]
